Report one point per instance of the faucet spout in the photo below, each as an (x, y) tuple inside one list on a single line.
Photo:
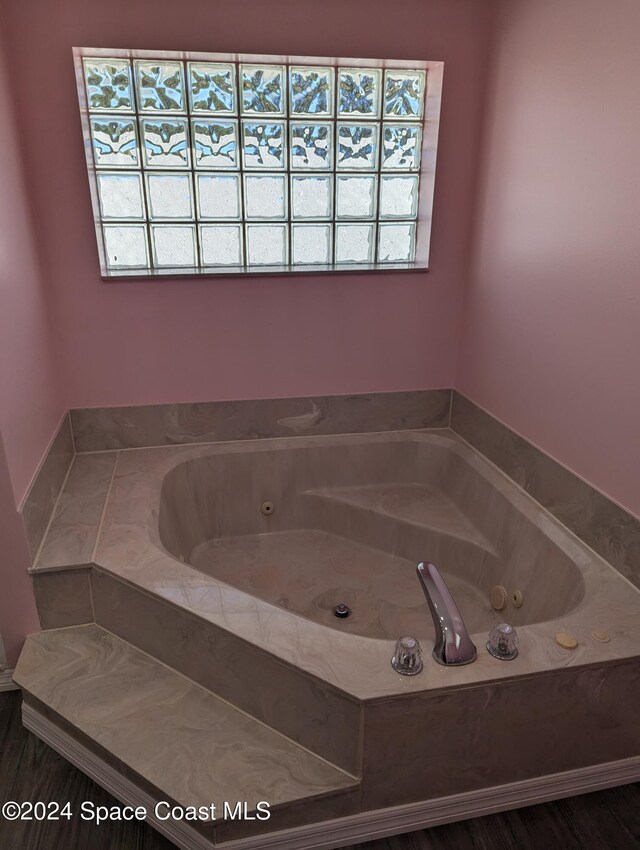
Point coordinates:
[(453, 644)]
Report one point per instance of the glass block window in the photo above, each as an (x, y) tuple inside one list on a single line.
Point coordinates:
[(210, 164)]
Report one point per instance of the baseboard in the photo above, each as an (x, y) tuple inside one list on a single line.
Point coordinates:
[(6, 681), (341, 832)]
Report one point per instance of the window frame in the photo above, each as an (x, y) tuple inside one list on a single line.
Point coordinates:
[(426, 173)]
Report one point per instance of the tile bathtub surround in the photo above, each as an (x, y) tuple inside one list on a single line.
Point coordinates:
[(504, 732), (263, 468), (149, 549), (40, 500), (298, 705), (150, 723), (187, 742), (335, 693), (98, 429), (71, 537), (63, 598), (602, 524)]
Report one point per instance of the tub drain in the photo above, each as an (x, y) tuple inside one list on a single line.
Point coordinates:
[(342, 611)]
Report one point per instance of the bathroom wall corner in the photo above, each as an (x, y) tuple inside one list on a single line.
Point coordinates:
[(605, 526)]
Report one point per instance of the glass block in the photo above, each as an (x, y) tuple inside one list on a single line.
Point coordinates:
[(355, 243), (120, 195), (108, 83), (401, 147), (311, 196), (399, 196), (359, 92), (263, 89), (311, 145), (219, 196), (356, 196), (174, 245), (215, 143), (170, 196), (396, 242), (126, 246), (404, 94), (358, 146), (115, 141), (267, 244), (311, 243), (212, 88), (221, 244), (265, 196), (160, 86), (263, 145), (311, 91), (165, 144)]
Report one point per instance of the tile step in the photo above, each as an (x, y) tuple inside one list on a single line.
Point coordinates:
[(190, 745)]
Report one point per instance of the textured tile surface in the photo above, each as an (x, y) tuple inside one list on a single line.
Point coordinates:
[(31, 770), (300, 706), (97, 429), (71, 537), (431, 745), (40, 500), (182, 739), (63, 598), (603, 525)]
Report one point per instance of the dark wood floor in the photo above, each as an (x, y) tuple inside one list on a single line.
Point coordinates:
[(29, 770)]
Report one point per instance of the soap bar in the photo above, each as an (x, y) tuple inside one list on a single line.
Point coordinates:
[(566, 641)]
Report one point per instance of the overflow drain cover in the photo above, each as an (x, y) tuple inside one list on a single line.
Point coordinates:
[(342, 611)]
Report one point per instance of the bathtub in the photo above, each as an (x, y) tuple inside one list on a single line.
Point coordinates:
[(349, 524), (189, 569), (352, 515)]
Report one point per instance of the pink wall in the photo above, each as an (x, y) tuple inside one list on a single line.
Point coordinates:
[(30, 402), (131, 343), (18, 616), (551, 341), (30, 407)]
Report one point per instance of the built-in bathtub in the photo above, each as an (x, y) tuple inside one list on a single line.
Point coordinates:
[(188, 569), (353, 514), (350, 522)]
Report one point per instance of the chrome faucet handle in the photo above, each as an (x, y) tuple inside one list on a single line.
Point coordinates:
[(406, 658), (453, 644), (503, 642)]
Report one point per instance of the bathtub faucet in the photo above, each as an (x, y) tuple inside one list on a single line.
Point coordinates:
[(453, 644)]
